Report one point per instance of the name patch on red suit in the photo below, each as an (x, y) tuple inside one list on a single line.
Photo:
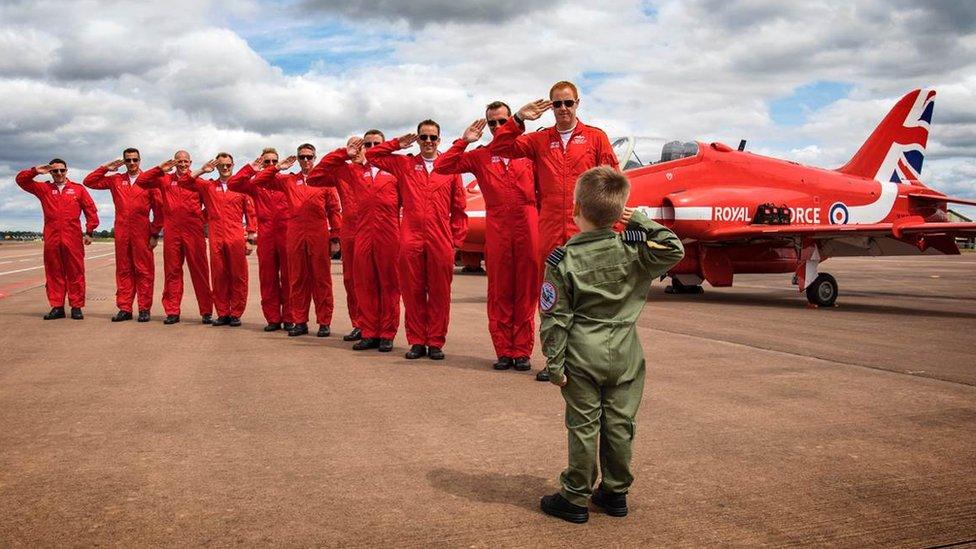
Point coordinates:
[(554, 145), (579, 139), (548, 296)]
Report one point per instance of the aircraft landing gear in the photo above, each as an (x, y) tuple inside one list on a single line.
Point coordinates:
[(677, 288), (822, 292)]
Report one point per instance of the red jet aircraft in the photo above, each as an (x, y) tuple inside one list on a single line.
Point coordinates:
[(739, 212)]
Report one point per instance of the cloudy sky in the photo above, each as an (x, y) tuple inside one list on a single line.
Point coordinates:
[(807, 81)]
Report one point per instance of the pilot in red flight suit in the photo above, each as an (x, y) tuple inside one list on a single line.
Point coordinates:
[(227, 235), (62, 202), (434, 224), (273, 212), (135, 234), (182, 237), (314, 210), (559, 155), (511, 237), (376, 237)]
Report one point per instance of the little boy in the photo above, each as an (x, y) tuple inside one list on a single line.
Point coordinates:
[(595, 288)]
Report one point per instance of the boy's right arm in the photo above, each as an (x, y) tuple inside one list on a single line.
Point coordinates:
[(663, 250), (557, 319)]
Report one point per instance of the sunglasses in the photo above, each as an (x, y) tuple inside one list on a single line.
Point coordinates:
[(499, 122), (567, 102), (427, 137), (368, 144), (131, 160), (266, 162), (59, 171), (306, 156), (225, 166)]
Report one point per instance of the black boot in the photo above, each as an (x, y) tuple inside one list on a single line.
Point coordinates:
[(221, 321), (503, 363), (366, 343), (122, 316), (324, 331), (386, 345), (522, 364), (299, 329), (173, 319), (206, 319), (272, 327), (416, 351), (56, 312), (143, 316), (355, 335), (556, 505), (543, 375), (234, 321), (614, 505), (435, 353), (76, 314), (288, 326)]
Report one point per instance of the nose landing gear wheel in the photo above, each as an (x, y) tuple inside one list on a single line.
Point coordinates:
[(822, 292), (677, 287)]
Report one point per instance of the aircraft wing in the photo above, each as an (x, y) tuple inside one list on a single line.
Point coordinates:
[(766, 232), (933, 197)]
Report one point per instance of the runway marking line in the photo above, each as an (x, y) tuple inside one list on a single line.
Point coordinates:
[(42, 266)]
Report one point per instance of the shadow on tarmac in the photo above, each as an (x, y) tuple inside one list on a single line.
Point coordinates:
[(520, 490)]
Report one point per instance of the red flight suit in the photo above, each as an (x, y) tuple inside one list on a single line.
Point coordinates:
[(376, 235), (556, 169), (227, 236), (511, 242), (64, 251), (135, 267), (313, 210), (434, 223), (272, 211), (182, 239)]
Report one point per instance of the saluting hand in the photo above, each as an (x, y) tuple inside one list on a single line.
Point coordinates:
[(168, 165), (287, 163), (625, 217), (353, 147), (405, 141), (473, 133), (114, 165), (43, 169), (208, 166), (535, 109), (257, 164)]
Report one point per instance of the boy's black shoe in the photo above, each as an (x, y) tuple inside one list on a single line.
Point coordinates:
[(76, 314), (221, 321), (143, 316), (288, 326), (324, 331), (503, 363), (56, 312), (435, 353), (272, 327), (234, 321), (386, 345), (416, 351), (614, 505), (206, 319), (299, 329), (522, 364), (543, 375), (173, 319), (122, 316), (355, 335), (557, 506), (366, 343)]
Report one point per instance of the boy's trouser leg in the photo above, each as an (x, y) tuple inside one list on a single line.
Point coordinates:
[(583, 401), (620, 404)]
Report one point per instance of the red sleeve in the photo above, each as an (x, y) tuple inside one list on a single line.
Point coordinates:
[(156, 206), (326, 172), (459, 219), (241, 181), (455, 159), (333, 212), (383, 158), (25, 180), (97, 179), (605, 154), (510, 143), (250, 217), (91, 212), (194, 184), (151, 178), (268, 178)]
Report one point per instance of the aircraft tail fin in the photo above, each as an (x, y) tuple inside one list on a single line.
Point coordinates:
[(895, 150)]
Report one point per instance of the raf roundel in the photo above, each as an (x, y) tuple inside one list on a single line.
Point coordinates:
[(548, 296), (838, 214)]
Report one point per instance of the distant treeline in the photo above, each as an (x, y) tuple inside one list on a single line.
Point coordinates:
[(34, 235)]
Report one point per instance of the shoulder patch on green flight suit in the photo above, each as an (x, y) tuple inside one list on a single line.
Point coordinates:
[(548, 296), (555, 257), (634, 236)]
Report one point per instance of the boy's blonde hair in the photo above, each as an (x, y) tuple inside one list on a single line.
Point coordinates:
[(601, 194)]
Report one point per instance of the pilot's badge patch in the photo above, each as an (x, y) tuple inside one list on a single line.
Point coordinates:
[(548, 296)]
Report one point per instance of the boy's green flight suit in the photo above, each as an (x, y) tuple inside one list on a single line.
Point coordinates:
[(595, 288)]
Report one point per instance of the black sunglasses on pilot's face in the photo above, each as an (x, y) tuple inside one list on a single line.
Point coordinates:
[(225, 166), (498, 122), (59, 170), (269, 161), (368, 144), (426, 137), (306, 156), (567, 102), (131, 160)]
